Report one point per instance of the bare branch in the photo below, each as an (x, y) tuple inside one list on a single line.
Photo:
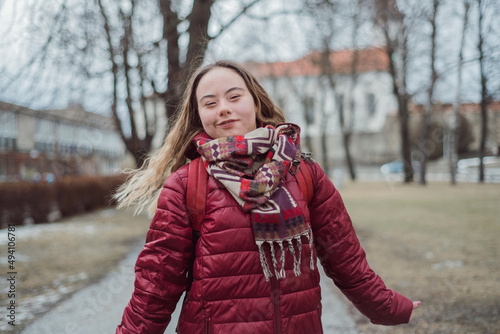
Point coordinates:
[(273, 14), (114, 70), (39, 56), (125, 43), (234, 19)]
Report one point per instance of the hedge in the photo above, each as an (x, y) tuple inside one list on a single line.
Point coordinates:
[(20, 201)]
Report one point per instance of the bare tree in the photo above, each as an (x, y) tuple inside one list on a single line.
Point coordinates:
[(328, 72), (390, 20), (452, 141), (347, 129), (136, 44), (426, 120), (485, 97), (326, 13)]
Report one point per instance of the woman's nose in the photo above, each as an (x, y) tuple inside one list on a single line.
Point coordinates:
[(224, 109)]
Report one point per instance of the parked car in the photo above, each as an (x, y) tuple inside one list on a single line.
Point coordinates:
[(397, 166), (464, 164)]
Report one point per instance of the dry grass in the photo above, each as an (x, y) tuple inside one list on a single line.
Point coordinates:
[(438, 244), (68, 255)]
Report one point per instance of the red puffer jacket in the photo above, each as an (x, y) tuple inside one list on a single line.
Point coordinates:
[(229, 293)]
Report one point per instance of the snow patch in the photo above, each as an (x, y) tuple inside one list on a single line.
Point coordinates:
[(18, 258), (39, 230), (448, 264), (37, 305)]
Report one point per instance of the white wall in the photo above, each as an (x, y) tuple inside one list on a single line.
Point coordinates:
[(368, 139)]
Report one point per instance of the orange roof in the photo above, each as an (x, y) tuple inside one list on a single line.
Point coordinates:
[(493, 106), (369, 60)]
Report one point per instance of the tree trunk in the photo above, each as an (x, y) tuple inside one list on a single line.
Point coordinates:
[(453, 149), (405, 138), (198, 41), (198, 27), (426, 120), (324, 141), (484, 96), (346, 140), (136, 146), (308, 141), (348, 128), (404, 131), (386, 16)]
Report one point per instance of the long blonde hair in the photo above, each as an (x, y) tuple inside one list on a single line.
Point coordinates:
[(143, 187)]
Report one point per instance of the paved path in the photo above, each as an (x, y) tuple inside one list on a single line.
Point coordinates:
[(98, 308)]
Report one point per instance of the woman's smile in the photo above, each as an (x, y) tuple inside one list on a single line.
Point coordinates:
[(225, 105), (227, 124)]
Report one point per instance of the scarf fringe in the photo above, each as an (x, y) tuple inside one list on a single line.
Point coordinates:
[(311, 264), (296, 261), (263, 261), (297, 258)]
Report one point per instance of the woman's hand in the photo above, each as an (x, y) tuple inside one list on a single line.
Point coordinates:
[(415, 305)]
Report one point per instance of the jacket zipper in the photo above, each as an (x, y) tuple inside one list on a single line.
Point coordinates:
[(207, 325), (276, 303)]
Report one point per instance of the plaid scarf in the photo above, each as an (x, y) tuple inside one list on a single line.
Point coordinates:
[(252, 168)]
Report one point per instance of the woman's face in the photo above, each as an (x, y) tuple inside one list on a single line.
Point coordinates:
[(225, 105)]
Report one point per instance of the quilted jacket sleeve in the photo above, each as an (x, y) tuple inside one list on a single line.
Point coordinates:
[(162, 265), (344, 259)]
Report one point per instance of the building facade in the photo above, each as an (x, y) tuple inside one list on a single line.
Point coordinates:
[(321, 97), (44, 145), (353, 93)]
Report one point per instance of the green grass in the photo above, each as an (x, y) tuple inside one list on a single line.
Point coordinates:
[(437, 244)]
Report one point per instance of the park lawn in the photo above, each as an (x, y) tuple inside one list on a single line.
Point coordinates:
[(54, 260), (438, 244)]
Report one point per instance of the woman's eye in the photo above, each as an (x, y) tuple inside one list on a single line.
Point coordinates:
[(208, 104), (234, 97)]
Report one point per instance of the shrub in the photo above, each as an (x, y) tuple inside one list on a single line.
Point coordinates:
[(72, 195), (13, 202), (39, 199)]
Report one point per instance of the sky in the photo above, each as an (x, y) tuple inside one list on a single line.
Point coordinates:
[(283, 38)]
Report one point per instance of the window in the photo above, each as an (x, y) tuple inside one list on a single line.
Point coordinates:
[(3, 170), (45, 135), (340, 103), (308, 104), (8, 131), (8, 124), (7, 144), (371, 104)]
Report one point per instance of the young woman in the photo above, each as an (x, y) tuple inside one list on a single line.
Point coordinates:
[(254, 265)]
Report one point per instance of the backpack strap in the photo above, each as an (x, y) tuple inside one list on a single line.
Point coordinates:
[(305, 181), (196, 194)]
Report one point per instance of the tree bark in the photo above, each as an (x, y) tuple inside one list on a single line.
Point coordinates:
[(404, 131), (387, 16), (453, 149), (138, 147), (347, 129), (484, 95), (426, 120)]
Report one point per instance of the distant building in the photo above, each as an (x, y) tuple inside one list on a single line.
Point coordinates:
[(313, 96), (471, 114), (47, 144)]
